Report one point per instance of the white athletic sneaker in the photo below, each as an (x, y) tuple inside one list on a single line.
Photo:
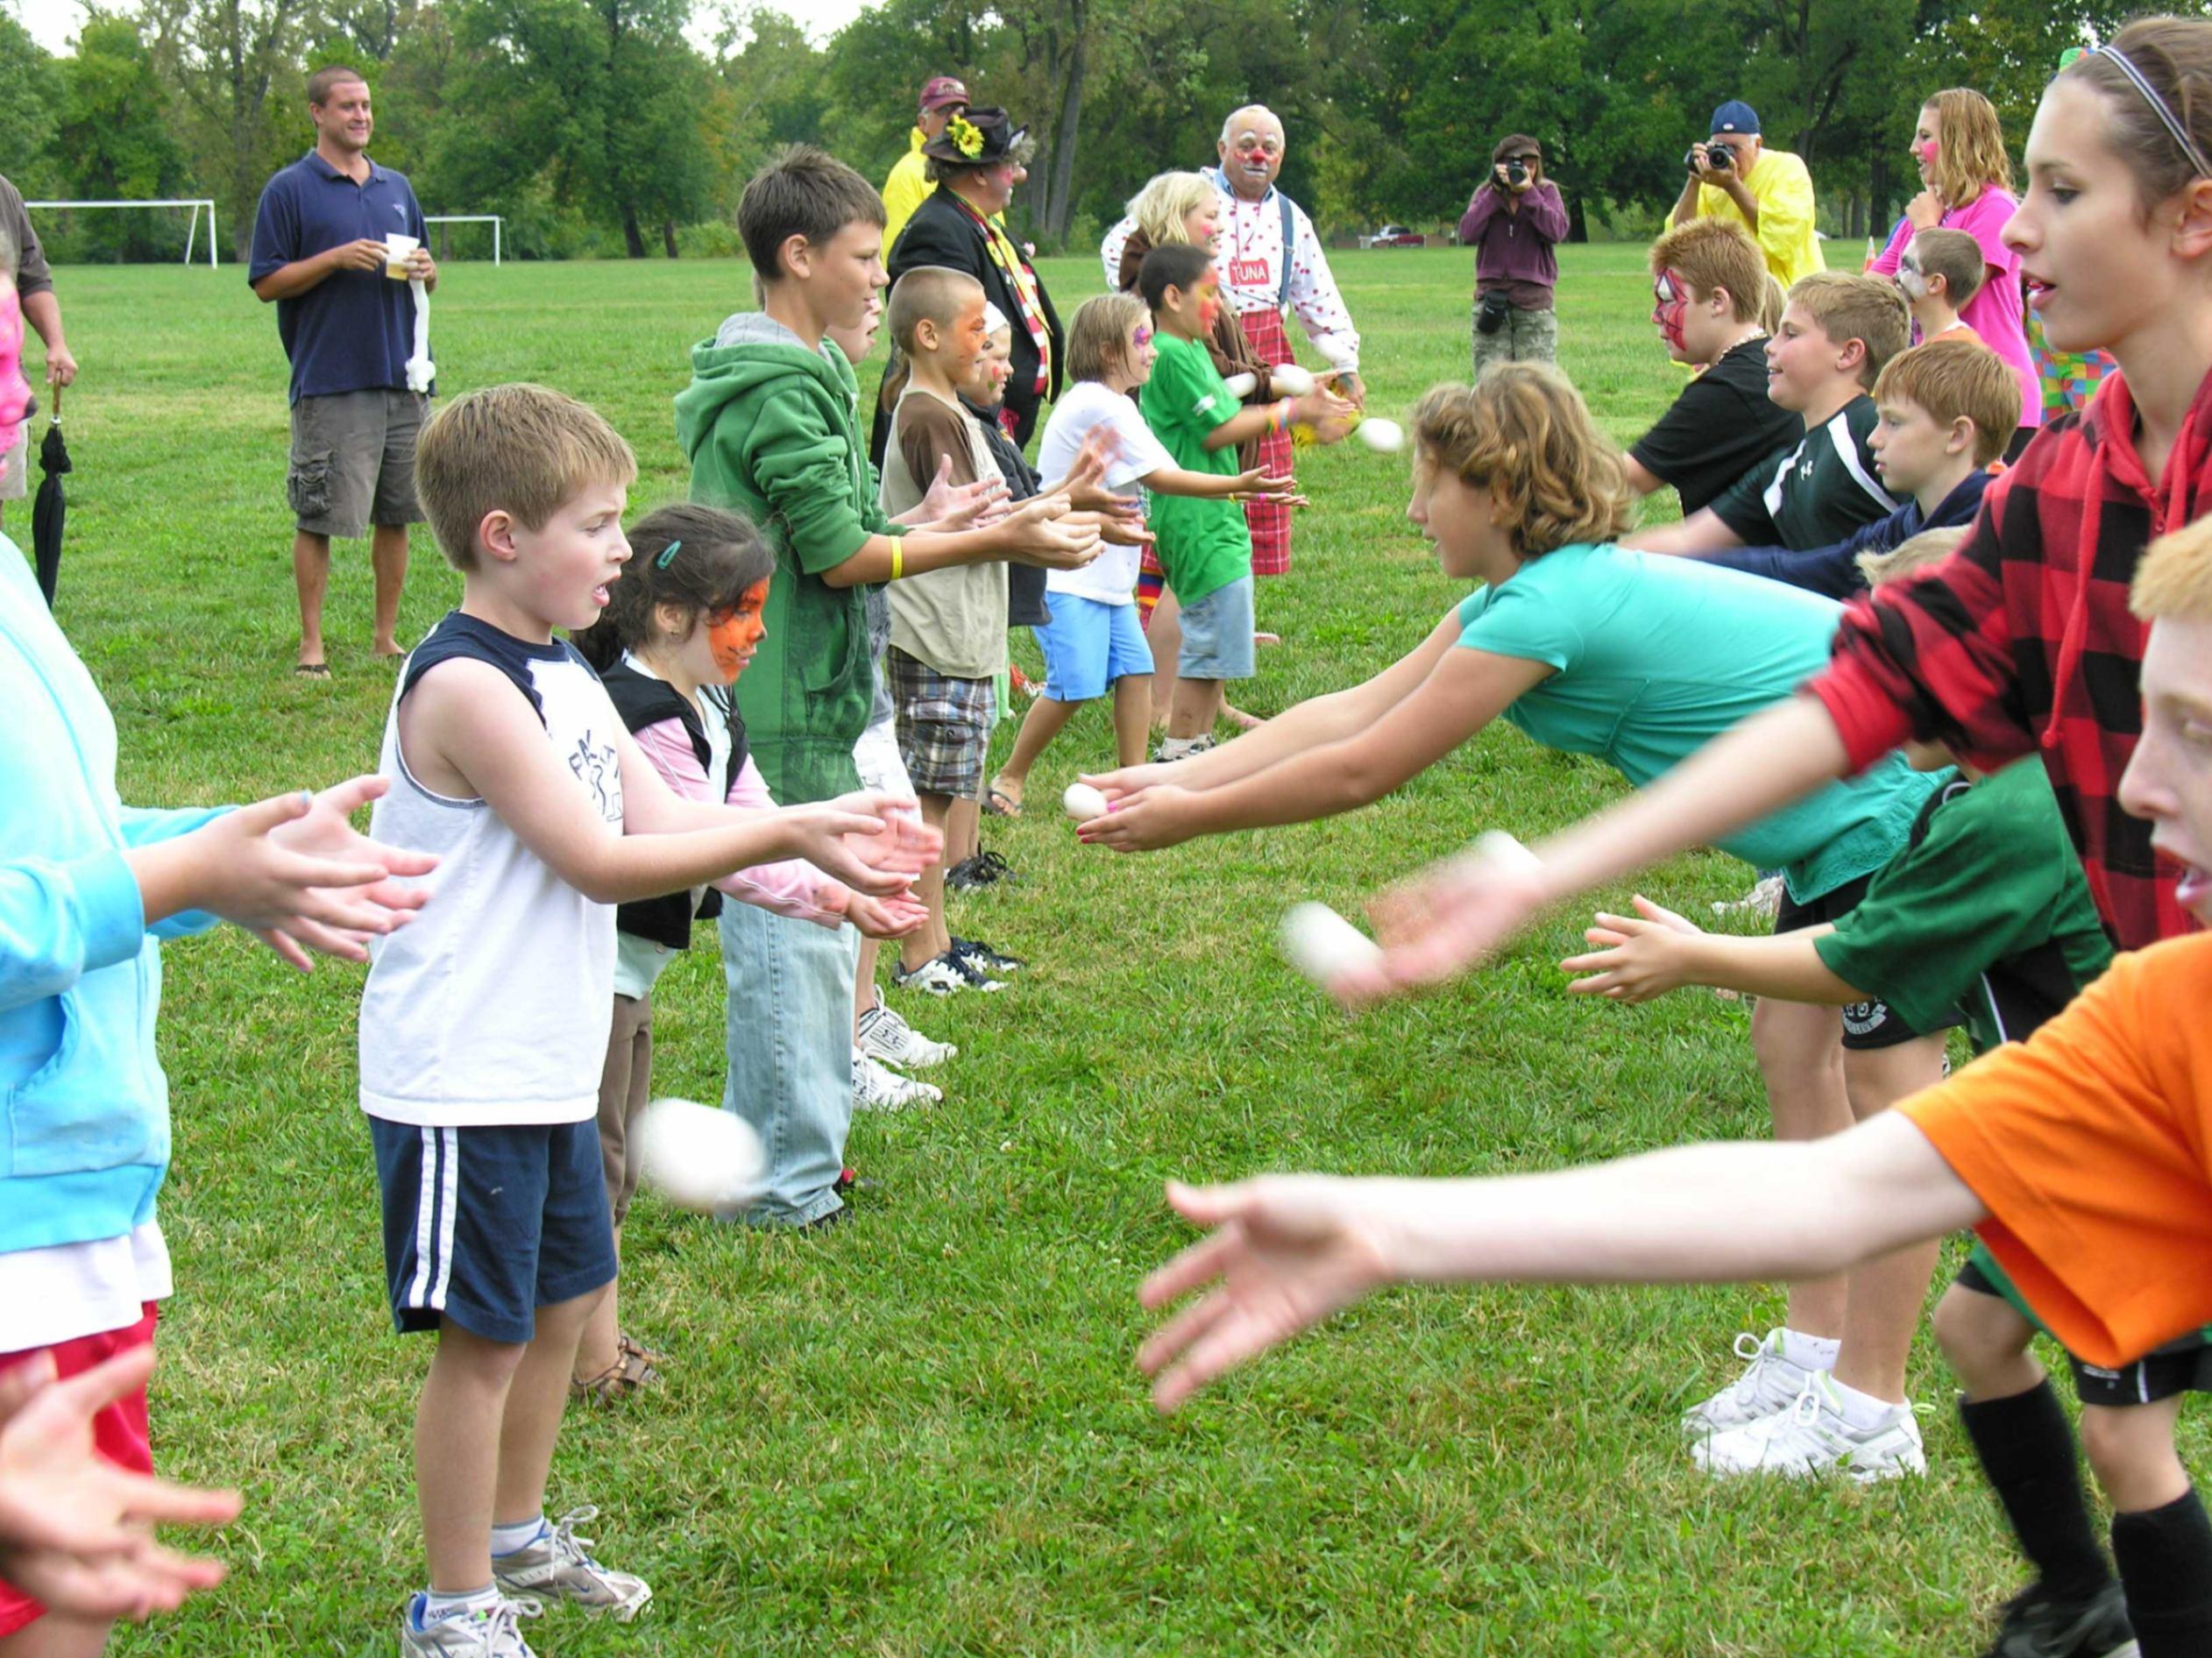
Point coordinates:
[(491, 1632), (1811, 1437), (890, 1040), (938, 976), (557, 1567), (877, 1089), (1768, 1384)]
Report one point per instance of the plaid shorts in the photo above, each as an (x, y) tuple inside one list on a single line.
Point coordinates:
[(944, 726)]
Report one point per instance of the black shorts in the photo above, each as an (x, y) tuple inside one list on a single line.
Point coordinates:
[(1866, 1025), (485, 1225), (2183, 1366)]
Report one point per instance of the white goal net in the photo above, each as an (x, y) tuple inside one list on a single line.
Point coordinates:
[(67, 229)]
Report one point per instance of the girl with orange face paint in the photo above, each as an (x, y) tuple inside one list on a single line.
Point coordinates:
[(681, 624)]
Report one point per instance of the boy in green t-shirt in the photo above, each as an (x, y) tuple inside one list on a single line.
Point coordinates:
[(1203, 543), (1984, 914)]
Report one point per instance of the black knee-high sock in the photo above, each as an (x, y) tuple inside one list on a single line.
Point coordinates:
[(2027, 1451), (2166, 1566)]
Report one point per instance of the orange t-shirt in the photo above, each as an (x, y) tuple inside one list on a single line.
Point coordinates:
[(2090, 1143)]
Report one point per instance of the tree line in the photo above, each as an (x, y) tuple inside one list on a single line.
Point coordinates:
[(628, 127)]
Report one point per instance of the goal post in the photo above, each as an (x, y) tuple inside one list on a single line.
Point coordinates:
[(496, 221), (192, 230)]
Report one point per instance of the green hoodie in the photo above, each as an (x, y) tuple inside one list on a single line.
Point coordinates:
[(773, 432)]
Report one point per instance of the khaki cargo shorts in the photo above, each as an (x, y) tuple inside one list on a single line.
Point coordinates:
[(353, 461)]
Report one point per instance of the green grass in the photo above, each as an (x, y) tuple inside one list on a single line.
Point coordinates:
[(923, 1433)]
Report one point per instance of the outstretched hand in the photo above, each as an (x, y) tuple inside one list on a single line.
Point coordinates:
[(1642, 957), (891, 917), (947, 506), (1286, 1251), (1447, 918), (75, 1530), (1160, 816), (1260, 485), (873, 842)]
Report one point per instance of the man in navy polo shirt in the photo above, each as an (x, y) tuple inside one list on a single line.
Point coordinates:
[(347, 326)]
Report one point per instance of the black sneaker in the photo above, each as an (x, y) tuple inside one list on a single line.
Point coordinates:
[(983, 869), (2035, 1625), (981, 956), (972, 972)]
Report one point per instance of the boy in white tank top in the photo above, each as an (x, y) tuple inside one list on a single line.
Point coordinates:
[(483, 1028)]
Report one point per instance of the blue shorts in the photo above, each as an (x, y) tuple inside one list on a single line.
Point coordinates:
[(1217, 634), (485, 1225), (1088, 644)]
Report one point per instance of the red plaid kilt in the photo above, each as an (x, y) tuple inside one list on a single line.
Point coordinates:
[(1269, 523)]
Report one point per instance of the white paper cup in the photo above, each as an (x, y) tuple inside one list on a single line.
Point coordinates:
[(396, 249)]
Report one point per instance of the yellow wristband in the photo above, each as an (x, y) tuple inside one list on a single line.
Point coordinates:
[(898, 556)]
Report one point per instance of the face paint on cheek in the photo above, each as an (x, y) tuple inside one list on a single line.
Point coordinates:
[(734, 638)]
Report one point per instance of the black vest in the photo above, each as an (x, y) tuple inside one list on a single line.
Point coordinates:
[(642, 700)]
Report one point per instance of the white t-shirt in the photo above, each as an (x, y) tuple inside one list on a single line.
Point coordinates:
[(70, 1290), (1111, 577), (492, 1006)]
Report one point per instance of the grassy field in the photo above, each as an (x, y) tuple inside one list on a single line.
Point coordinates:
[(923, 1433)]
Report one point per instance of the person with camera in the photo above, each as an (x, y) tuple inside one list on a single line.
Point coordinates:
[(1515, 219), (1733, 175)]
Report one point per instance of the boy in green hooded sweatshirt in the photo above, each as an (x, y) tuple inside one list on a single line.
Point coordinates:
[(770, 422)]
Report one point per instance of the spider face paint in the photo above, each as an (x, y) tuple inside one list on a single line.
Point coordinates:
[(1670, 291), (733, 636)]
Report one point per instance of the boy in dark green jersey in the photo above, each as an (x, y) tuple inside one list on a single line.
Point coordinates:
[(1983, 916)]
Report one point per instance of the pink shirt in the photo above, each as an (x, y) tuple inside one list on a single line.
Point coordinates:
[(1995, 311), (794, 888)]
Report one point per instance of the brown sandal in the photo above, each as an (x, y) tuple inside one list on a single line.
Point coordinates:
[(633, 1370)]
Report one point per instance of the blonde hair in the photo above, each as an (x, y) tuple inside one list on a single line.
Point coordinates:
[(2173, 580), (1098, 334), (1929, 547), (1167, 200), (1847, 306), (1716, 253), (1523, 434), (1969, 146), (520, 449), (1951, 378), (1773, 304), (1955, 256)]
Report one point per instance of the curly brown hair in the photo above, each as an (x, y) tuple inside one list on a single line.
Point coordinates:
[(1523, 434)]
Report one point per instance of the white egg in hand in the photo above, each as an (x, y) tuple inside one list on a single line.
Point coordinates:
[(1322, 944), (1083, 802), (1381, 434), (1242, 386), (699, 1157), (1290, 379)]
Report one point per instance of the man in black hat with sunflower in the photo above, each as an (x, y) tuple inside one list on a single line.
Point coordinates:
[(975, 163)]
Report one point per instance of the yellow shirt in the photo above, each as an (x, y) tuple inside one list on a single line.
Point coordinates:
[(904, 190), (1783, 190)]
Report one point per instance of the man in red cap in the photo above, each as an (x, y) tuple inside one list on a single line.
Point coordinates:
[(943, 97)]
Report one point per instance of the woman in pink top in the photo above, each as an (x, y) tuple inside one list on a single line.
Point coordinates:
[(1959, 149)]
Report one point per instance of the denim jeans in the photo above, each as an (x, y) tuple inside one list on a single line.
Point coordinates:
[(790, 1040)]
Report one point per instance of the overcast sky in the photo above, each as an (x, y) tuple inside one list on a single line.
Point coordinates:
[(53, 22)]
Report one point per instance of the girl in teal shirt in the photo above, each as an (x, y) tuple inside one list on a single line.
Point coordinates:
[(1638, 660)]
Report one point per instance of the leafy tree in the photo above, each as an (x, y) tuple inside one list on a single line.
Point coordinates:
[(115, 131), (31, 96)]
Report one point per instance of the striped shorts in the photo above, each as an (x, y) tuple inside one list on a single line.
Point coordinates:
[(484, 1225)]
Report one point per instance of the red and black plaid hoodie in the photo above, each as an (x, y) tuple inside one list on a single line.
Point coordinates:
[(2022, 641)]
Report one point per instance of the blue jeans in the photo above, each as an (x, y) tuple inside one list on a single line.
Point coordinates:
[(789, 1020)]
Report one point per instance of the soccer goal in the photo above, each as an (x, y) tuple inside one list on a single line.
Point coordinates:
[(492, 219), (192, 228)]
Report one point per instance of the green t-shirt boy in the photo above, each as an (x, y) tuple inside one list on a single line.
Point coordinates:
[(1203, 543)]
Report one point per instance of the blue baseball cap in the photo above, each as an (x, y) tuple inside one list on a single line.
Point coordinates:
[(1735, 116)]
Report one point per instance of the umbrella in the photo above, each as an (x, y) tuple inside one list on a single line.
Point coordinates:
[(47, 511)]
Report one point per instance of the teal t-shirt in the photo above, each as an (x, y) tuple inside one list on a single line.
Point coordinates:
[(1655, 656), (1203, 544)]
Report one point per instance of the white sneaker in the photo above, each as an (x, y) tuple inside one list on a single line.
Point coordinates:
[(1811, 1437), (1770, 1382), (938, 976), (488, 1633), (877, 1089), (890, 1040), (558, 1567)]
